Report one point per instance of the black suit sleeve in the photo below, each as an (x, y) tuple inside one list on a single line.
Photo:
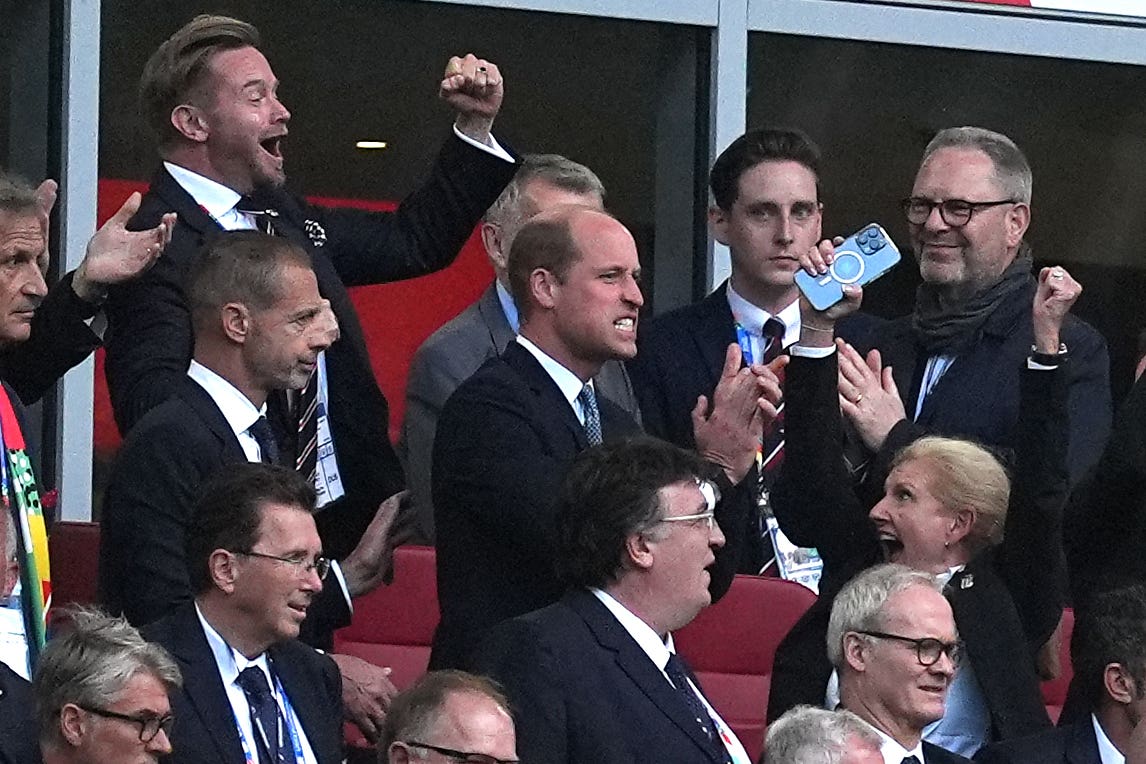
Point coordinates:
[(59, 340)]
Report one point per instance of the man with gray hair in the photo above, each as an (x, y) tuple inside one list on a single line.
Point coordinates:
[(449, 716), (102, 694), (807, 735), (16, 706), (892, 640), (956, 360), (455, 351)]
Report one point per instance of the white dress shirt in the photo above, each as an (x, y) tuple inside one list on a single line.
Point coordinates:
[(230, 663), (1107, 753), (893, 752), (659, 651), (752, 318), (568, 382)]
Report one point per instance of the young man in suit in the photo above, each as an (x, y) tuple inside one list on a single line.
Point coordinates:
[(211, 97), (892, 640), (595, 677), (767, 211), (508, 434), (449, 716), (454, 352), (1108, 653), (102, 695), (251, 690), (259, 325)]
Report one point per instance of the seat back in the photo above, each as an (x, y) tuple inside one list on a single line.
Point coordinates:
[(1054, 691), (394, 625), (73, 554), (731, 645)]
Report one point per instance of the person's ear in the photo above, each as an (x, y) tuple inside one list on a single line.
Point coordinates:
[(1017, 221), (236, 320), (222, 569), (855, 651), (959, 526), (718, 224), (190, 122), (543, 286), (73, 724), (1118, 683), (639, 551)]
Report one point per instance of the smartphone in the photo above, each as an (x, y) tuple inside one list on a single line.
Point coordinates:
[(861, 259)]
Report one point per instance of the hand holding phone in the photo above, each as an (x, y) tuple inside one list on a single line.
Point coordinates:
[(861, 259)]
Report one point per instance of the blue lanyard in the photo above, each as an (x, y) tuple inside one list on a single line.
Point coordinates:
[(288, 720), (744, 339)]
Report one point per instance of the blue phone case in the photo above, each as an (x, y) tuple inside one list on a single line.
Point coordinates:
[(861, 259)]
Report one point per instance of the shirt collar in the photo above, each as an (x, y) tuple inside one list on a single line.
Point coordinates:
[(752, 317), (893, 752), (508, 306), (568, 382), (945, 578), (657, 649), (229, 660), (1107, 753), (215, 198), (236, 408)]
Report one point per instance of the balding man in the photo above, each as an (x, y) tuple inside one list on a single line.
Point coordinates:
[(506, 438)]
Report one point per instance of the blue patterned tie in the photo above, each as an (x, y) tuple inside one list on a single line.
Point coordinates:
[(592, 416), (264, 713), (679, 677)]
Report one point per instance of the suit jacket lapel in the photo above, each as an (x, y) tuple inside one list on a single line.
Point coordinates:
[(205, 408), (900, 352), (489, 307), (635, 663), (203, 685), (189, 211), (715, 330), (304, 700), (1081, 744), (523, 362)]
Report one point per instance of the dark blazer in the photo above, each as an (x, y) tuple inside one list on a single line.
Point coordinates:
[(1074, 744), (506, 439), (19, 743), (933, 754), (149, 340), (1005, 601), (60, 339), (445, 360), (157, 476), (583, 692), (978, 396), (205, 729)]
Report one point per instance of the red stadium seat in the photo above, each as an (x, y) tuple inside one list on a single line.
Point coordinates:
[(73, 554), (394, 625), (730, 647), (1054, 691)]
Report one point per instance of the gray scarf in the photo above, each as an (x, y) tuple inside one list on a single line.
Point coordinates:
[(947, 331)]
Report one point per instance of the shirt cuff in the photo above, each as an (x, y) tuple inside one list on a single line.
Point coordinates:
[(493, 147), (337, 571), (806, 352), (1040, 366)]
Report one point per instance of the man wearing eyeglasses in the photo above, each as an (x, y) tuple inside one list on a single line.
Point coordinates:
[(252, 691), (595, 677), (449, 716), (955, 361), (892, 640), (102, 695)]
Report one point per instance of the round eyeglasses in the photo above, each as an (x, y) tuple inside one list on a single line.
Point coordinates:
[(955, 212), (927, 649)]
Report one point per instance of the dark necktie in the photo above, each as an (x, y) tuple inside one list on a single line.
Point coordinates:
[(679, 678), (772, 444), (592, 416), (268, 448), (264, 218), (264, 714), (306, 410), (910, 760)]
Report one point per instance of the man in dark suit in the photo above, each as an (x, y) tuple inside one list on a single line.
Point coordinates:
[(250, 688), (211, 97), (767, 211), (956, 360), (259, 325), (508, 434), (102, 694), (892, 640), (1108, 654), (484, 329), (595, 677)]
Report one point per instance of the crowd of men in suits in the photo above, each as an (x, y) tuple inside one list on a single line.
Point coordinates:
[(590, 484)]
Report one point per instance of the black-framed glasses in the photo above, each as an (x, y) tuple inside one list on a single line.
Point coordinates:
[(462, 756), (955, 212), (320, 565), (149, 724), (927, 649)]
